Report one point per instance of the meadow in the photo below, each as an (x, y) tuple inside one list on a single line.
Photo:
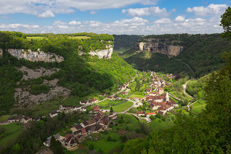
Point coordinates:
[(13, 130)]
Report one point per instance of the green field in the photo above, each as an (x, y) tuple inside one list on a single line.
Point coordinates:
[(104, 144), (107, 103), (79, 37), (174, 100), (136, 95), (36, 38), (12, 132), (158, 124), (198, 106), (121, 107)]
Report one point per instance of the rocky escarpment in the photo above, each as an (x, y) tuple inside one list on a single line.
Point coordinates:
[(36, 73), (24, 97), (106, 53), (22, 94), (163, 46), (35, 55)]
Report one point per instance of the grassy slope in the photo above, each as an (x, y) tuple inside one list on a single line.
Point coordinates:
[(158, 124), (12, 132), (121, 107)]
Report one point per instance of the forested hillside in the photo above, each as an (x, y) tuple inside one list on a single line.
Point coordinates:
[(83, 75), (202, 53), (125, 42)]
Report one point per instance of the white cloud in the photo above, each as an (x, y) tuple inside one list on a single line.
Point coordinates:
[(163, 21), (212, 9), (180, 18), (74, 22), (40, 7), (155, 11), (46, 14), (135, 25)]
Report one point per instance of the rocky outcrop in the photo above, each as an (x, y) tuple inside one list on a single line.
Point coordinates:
[(23, 97), (106, 53), (35, 55), (36, 73), (1, 53), (163, 46)]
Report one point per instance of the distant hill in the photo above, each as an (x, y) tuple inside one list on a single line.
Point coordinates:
[(201, 53), (122, 42)]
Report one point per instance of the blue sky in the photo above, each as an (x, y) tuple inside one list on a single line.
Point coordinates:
[(113, 17)]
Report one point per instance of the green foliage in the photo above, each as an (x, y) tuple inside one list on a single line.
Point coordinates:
[(38, 89), (111, 110), (9, 77), (56, 146), (91, 146), (196, 87), (226, 22)]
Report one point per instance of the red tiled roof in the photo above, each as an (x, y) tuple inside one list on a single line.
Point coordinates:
[(83, 131), (153, 113), (67, 136), (141, 112), (96, 108)]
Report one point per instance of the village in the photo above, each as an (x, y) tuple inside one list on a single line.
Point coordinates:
[(159, 102)]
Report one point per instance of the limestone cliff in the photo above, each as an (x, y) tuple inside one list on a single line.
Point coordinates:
[(35, 55), (106, 53), (163, 46)]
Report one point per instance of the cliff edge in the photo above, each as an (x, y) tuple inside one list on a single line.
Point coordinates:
[(163, 46)]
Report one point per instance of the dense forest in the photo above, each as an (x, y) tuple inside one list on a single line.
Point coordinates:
[(203, 53), (83, 75)]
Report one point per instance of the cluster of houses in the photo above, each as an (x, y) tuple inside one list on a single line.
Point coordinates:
[(98, 123), (67, 109), (23, 119), (157, 98), (89, 102)]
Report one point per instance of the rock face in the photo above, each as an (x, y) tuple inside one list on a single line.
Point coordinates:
[(36, 73), (106, 53), (35, 55), (23, 97), (163, 46)]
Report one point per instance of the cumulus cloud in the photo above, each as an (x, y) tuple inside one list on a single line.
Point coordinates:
[(74, 22), (46, 14), (212, 9), (180, 18), (135, 25), (156, 11), (163, 21), (40, 7)]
